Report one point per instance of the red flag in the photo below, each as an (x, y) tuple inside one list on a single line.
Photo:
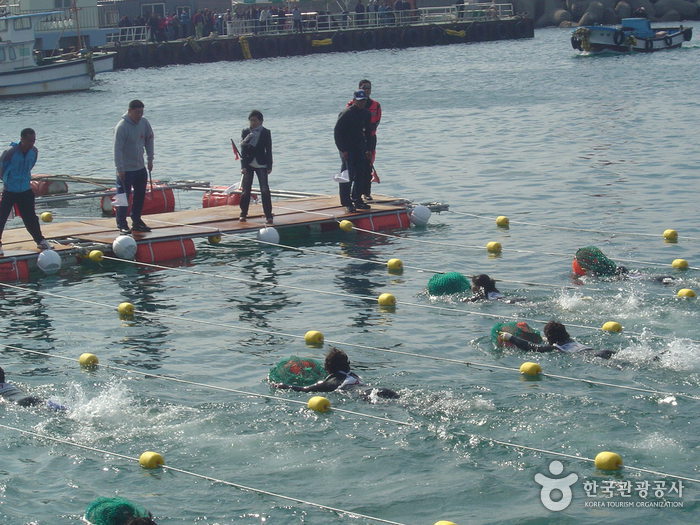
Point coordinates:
[(235, 150)]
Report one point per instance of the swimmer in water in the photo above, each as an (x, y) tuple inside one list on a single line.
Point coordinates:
[(13, 394), (339, 377), (484, 289), (592, 261), (559, 341)]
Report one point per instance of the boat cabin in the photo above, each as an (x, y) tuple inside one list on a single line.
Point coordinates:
[(640, 27), (17, 41)]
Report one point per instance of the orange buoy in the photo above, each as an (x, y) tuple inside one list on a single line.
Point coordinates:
[(158, 251), (576, 267), (159, 200), (14, 271), (219, 197)]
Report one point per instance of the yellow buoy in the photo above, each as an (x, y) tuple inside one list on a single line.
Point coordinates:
[(686, 292), (680, 264), (608, 461), (445, 522), (88, 360), (47, 216), (125, 309), (319, 404), (670, 235), (494, 247), (151, 460), (346, 225), (530, 369), (612, 326), (96, 256), (395, 265), (502, 221), (386, 299), (214, 239), (313, 338)]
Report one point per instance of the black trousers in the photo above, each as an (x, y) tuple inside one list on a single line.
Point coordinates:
[(25, 202), (360, 177), (247, 184)]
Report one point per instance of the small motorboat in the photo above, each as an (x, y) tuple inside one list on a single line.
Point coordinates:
[(633, 35)]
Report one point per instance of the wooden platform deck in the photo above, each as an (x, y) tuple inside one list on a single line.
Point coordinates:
[(188, 224)]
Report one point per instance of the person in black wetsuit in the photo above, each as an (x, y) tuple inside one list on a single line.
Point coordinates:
[(484, 289), (559, 341), (339, 377), (11, 393)]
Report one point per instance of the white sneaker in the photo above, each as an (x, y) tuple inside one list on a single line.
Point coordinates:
[(43, 245)]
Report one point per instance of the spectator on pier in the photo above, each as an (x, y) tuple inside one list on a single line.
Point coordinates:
[(297, 20), (375, 110), (359, 14), (124, 21), (132, 135), (198, 23), (185, 23), (16, 165), (256, 158), (352, 135)]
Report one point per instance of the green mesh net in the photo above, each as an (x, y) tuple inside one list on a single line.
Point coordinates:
[(519, 329), (448, 283), (297, 371), (592, 260), (114, 511)]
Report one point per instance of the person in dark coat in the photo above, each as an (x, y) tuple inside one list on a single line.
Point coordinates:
[(353, 133), (256, 158)]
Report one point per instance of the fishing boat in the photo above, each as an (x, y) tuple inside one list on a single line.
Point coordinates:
[(22, 74), (633, 35)]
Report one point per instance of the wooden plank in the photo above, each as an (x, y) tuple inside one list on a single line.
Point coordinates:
[(202, 222)]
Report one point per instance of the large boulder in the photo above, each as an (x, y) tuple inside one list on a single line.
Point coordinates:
[(547, 18), (561, 16), (670, 16), (577, 8), (623, 10), (595, 14), (525, 7), (686, 10)]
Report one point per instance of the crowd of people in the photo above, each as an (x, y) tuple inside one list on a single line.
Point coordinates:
[(204, 22)]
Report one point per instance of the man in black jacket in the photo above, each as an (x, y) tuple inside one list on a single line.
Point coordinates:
[(352, 135)]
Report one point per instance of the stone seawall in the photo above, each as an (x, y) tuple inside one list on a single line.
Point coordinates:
[(252, 46)]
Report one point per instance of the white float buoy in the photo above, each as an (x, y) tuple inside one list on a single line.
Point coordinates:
[(420, 215), (49, 261), (124, 247), (269, 234)]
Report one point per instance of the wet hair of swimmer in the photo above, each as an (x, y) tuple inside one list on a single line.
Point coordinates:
[(2, 375), (556, 333), (337, 361), (255, 113), (483, 281)]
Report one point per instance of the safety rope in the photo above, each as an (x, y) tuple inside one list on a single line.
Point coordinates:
[(200, 476), (353, 345)]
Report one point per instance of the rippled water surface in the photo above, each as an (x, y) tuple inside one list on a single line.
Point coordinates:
[(575, 150)]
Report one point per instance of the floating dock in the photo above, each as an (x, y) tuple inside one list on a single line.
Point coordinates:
[(173, 232)]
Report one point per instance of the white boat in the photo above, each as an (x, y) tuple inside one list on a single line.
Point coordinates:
[(634, 35), (22, 74)]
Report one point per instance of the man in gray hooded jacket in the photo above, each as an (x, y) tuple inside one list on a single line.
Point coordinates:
[(132, 135)]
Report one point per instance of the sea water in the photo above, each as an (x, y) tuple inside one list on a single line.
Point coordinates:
[(576, 151)]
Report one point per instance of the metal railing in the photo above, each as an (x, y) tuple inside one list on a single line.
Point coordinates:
[(130, 34), (313, 21)]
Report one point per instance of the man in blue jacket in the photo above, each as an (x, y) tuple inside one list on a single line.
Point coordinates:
[(16, 165)]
